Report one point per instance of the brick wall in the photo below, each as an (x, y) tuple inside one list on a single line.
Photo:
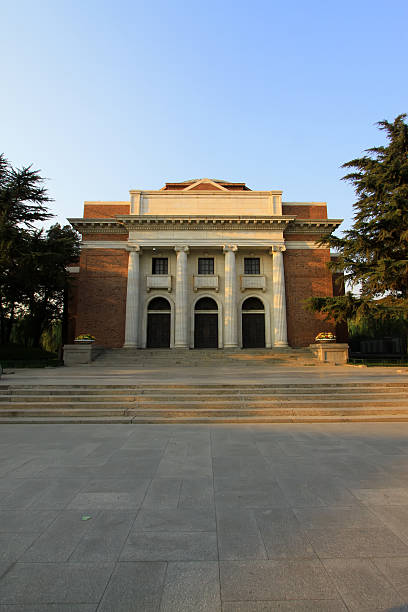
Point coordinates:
[(108, 237), (303, 237), (102, 295), (306, 275), (305, 212), (72, 308), (204, 187), (95, 210)]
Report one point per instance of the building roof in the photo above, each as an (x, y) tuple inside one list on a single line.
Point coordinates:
[(205, 184)]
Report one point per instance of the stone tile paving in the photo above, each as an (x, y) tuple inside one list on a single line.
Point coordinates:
[(226, 518)]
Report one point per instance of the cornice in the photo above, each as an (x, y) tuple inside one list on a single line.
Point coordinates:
[(206, 192), (313, 226), (98, 226), (187, 222), (122, 224)]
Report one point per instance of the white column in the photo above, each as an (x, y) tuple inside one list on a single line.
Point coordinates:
[(230, 299), (280, 332), (181, 323), (132, 298)]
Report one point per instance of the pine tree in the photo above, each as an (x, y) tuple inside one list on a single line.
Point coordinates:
[(33, 276), (373, 254)]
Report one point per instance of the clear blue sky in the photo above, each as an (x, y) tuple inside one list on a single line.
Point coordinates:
[(108, 96)]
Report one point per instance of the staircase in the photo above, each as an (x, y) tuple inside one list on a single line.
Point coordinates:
[(148, 358), (204, 403)]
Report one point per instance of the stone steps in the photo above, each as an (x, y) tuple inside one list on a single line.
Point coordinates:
[(240, 398), (204, 403), (175, 412), (141, 387), (151, 358), (361, 418)]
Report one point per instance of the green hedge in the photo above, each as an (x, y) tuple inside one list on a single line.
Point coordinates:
[(16, 356), (40, 363)]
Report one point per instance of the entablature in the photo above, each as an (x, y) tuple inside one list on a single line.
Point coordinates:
[(98, 226), (122, 224), (313, 226), (188, 222)]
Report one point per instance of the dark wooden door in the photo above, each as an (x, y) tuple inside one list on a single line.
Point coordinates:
[(206, 330), (253, 330), (158, 330)]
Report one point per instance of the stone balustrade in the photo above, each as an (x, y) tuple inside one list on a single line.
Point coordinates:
[(206, 281), (253, 281), (158, 281)]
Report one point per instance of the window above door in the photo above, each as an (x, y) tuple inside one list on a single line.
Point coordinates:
[(206, 265), (160, 265), (252, 265)]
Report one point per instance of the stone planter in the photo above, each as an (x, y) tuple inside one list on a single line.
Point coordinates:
[(82, 351), (330, 352)]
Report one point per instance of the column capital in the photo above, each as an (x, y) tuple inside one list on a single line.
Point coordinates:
[(277, 248), (133, 248), (230, 248), (182, 249)]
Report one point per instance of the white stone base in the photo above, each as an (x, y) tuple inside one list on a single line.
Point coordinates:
[(330, 352), (77, 354)]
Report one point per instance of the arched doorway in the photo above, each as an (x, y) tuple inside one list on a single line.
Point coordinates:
[(253, 323), (206, 323), (158, 323)]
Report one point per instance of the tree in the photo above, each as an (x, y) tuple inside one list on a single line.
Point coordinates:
[(46, 277), (22, 203), (373, 254), (33, 277)]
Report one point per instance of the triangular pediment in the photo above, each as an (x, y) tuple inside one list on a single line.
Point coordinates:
[(205, 185)]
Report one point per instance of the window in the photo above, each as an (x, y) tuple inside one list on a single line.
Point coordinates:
[(160, 265), (252, 265), (252, 303), (206, 303), (206, 265), (159, 303)]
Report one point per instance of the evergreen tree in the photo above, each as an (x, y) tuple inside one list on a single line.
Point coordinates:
[(33, 277), (373, 254)]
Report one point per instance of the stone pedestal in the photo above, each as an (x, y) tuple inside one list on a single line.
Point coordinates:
[(330, 352), (77, 354)]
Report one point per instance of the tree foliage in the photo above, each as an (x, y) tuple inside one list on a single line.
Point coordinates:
[(33, 276), (373, 254)]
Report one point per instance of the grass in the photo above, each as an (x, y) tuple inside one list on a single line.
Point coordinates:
[(16, 356)]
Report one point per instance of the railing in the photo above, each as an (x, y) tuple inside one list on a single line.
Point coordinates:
[(206, 281), (253, 281), (158, 281)]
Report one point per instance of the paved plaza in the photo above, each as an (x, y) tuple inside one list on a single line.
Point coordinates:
[(241, 368), (204, 518)]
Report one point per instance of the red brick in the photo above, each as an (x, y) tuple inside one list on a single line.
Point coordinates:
[(95, 210), (305, 212), (102, 295), (109, 237), (306, 275)]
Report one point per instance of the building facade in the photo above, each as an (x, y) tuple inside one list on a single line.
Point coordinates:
[(201, 264)]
